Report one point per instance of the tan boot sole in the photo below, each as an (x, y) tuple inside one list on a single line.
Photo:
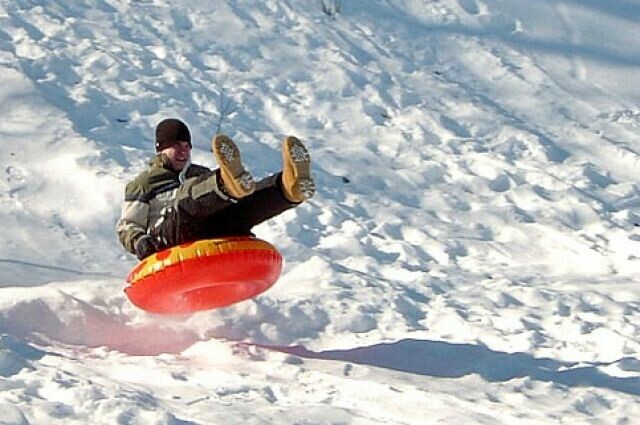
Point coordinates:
[(299, 185), (237, 180)]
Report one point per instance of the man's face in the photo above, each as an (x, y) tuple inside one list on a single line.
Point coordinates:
[(178, 153)]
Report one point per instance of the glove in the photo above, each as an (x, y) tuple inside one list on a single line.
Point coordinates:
[(144, 247)]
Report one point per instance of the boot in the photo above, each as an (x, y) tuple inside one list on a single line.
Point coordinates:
[(238, 182), (297, 184)]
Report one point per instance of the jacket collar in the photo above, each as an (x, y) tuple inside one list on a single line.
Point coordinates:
[(160, 161)]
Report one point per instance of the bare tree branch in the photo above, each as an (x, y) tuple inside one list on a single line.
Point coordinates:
[(226, 107)]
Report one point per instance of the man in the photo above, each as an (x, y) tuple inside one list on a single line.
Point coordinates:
[(174, 201)]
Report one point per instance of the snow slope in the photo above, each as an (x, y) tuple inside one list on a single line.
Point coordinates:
[(471, 255)]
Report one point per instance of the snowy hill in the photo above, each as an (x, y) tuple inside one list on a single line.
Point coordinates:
[(471, 256)]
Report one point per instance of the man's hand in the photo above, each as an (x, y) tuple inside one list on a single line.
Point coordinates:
[(144, 247)]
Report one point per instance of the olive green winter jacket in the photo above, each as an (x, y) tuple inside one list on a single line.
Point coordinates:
[(149, 196)]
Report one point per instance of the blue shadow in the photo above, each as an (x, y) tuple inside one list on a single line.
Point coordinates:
[(448, 360)]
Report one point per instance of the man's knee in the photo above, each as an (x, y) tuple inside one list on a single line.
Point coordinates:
[(201, 196), (202, 187)]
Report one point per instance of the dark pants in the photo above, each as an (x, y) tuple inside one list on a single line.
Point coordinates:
[(200, 212)]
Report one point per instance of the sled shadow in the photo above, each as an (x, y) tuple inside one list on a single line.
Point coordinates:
[(448, 360)]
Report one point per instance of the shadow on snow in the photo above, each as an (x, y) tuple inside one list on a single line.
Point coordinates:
[(448, 360)]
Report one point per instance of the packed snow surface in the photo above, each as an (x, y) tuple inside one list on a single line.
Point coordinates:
[(472, 254)]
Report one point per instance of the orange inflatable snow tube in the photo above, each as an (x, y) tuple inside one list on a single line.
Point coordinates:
[(203, 275)]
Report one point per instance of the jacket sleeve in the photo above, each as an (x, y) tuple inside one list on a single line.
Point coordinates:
[(134, 218)]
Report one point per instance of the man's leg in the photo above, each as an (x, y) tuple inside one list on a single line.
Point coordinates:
[(204, 197), (267, 201), (201, 196), (196, 200), (205, 210), (272, 196)]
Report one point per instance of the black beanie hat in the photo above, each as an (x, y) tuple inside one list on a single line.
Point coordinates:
[(170, 132)]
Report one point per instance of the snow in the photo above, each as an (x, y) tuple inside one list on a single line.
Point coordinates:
[(471, 256)]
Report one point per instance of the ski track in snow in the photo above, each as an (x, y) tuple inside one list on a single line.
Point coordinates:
[(471, 255)]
